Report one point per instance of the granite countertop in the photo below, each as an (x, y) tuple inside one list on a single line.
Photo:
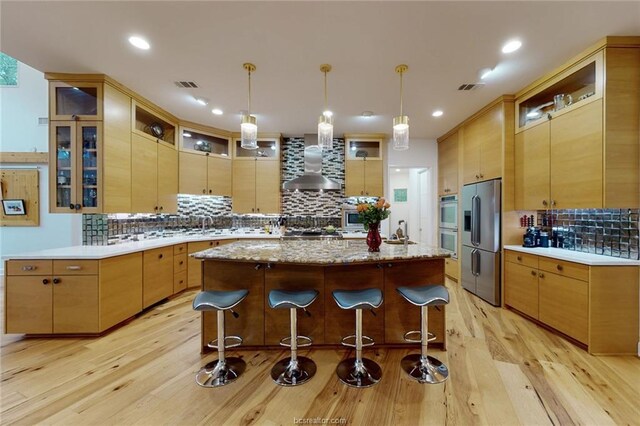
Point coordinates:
[(317, 252), (103, 252), (575, 256)]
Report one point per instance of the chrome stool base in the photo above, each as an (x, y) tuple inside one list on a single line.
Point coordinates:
[(285, 373), (364, 375), (216, 374), (429, 370)]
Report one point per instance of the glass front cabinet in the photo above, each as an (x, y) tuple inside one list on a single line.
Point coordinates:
[(75, 167)]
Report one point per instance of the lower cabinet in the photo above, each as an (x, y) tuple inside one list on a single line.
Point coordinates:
[(194, 266), (451, 268), (179, 267), (590, 304), (157, 275)]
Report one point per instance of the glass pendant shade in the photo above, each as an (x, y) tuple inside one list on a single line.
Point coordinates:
[(401, 133), (248, 132), (325, 132)]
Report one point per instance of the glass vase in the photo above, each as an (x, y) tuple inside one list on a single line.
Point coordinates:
[(373, 237)]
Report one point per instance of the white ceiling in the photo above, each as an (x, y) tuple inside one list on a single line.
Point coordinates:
[(444, 43)]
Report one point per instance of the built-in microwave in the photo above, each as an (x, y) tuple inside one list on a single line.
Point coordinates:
[(449, 241), (351, 218), (449, 212)]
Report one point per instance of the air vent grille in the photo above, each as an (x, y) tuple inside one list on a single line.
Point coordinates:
[(470, 86), (186, 84), (43, 121)]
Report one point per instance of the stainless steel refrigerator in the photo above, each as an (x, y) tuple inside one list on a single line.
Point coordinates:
[(481, 240)]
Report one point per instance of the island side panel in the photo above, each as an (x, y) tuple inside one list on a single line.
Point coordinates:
[(399, 314), (341, 322), (294, 277), (222, 275)]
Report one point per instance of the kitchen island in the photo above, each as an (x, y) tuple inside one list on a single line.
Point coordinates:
[(261, 266)]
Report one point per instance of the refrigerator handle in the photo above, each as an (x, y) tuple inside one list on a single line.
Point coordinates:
[(473, 262), (477, 262), (475, 220)]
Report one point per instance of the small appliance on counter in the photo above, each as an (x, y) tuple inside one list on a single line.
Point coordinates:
[(531, 238)]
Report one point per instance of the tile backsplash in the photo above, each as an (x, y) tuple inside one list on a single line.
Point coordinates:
[(610, 232)]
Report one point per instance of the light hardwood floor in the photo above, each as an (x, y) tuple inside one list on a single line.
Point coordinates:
[(504, 371)]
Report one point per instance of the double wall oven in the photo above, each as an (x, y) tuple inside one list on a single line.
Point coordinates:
[(449, 224)]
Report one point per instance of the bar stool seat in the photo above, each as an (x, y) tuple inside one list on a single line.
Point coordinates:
[(224, 370), (422, 367), (293, 370), (358, 372)]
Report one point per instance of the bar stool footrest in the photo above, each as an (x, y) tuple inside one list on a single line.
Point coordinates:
[(306, 341), (407, 336), (236, 341), (369, 341)]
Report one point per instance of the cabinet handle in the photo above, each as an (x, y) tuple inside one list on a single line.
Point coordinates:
[(210, 191), (541, 275), (481, 175), (29, 268), (389, 265), (72, 207), (181, 281), (161, 208), (549, 116), (258, 210), (559, 267), (74, 268), (361, 192), (519, 258), (366, 193), (155, 208), (204, 191), (258, 266), (210, 243), (533, 273), (78, 207), (160, 256), (544, 202), (553, 202), (75, 117), (477, 176), (181, 262), (45, 281), (252, 210), (379, 266), (57, 280)]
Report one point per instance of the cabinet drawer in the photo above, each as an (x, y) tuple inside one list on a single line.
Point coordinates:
[(157, 255), (524, 259), (29, 267), (179, 281), (75, 267), (179, 249), (565, 269), (179, 263)]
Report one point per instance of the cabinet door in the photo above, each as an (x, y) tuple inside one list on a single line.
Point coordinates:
[(267, 186), (193, 173), (491, 149), (521, 288), (532, 168), (89, 161), (62, 170), (194, 266), (448, 165), (167, 179), (120, 288), (157, 275), (75, 304), (29, 304), (564, 305), (576, 158), (244, 186), (71, 101), (373, 185), (144, 175), (470, 155), (219, 176), (354, 178)]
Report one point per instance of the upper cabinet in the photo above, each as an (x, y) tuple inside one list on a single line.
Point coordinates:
[(482, 145), (577, 133), (75, 100), (448, 165), (152, 125), (256, 176), (364, 165), (205, 161)]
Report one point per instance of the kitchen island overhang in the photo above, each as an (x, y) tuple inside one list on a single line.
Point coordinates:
[(262, 266)]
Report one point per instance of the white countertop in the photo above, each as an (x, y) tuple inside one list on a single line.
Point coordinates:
[(101, 252), (575, 256)]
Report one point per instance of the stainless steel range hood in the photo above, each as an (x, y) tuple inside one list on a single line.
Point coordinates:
[(312, 179)]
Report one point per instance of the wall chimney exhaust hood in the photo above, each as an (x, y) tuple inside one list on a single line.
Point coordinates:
[(312, 179)]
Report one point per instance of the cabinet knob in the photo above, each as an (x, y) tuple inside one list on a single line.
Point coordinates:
[(210, 243), (155, 208), (361, 192), (181, 281), (379, 266), (533, 273), (541, 275), (181, 262), (477, 176), (544, 202), (366, 193), (553, 202), (57, 280), (389, 265), (559, 267), (549, 116), (45, 281), (258, 266), (258, 210), (160, 256), (72, 206), (519, 258), (161, 208), (78, 207), (204, 191), (210, 191)]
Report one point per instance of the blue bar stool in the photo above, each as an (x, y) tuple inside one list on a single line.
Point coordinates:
[(358, 372), (223, 370), (422, 367), (294, 370)]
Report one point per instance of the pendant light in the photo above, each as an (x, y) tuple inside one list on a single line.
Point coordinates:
[(325, 122), (401, 122), (248, 125)]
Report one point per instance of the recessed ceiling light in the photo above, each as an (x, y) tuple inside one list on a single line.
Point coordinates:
[(139, 42), (367, 113), (216, 111), (437, 113), (186, 134), (511, 46), (201, 101), (397, 170)]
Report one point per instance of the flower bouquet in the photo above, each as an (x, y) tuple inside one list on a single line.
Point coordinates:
[(371, 214)]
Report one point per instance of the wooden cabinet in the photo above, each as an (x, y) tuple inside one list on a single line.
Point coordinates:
[(256, 182), (451, 268), (205, 162), (89, 145), (75, 304), (448, 165), (180, 265), (29, 304), (582, 152), (194, 266), (482, 146), (587, 303), (155, 176), (150, 123), (157, 275), (364, 165)]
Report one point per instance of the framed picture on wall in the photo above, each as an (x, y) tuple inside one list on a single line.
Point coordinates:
[(13, 207), (400, 195)]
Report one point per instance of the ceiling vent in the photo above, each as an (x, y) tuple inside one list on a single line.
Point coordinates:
[(470, 86), (186, 84)]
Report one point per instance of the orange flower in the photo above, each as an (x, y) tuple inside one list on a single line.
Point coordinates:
[(380, 203), (361, 207), (387, 205)]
